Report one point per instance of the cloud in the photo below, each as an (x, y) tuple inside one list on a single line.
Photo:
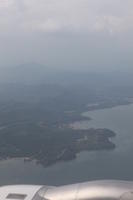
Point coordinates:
[(5, 3), (73, 16), (66, 32)]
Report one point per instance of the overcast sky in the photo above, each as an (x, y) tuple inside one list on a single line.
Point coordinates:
[(79, 34)]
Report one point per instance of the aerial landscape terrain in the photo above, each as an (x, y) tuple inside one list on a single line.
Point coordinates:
[(36, 119), (66, 91)]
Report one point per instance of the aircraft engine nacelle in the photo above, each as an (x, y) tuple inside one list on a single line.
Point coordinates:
[(95, 190)]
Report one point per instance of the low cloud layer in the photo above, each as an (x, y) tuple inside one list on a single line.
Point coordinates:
[(66, 33)]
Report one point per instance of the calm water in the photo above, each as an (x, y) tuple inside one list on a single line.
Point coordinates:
[(116, 164)]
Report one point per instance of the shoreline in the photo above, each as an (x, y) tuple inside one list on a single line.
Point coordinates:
[(104, 142)]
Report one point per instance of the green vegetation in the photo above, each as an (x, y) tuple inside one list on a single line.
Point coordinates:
[(34, 122), (47, 146)]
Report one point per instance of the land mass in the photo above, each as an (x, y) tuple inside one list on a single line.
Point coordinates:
[(35, 121), (53, 146)]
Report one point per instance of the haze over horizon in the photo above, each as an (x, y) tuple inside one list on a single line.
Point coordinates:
[(80, 35), (66, 88)]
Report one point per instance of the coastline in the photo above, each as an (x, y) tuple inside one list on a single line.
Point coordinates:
[(83, 140)]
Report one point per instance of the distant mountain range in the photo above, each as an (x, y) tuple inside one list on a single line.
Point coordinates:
[(34, 73)]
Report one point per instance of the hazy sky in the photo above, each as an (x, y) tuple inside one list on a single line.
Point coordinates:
[(83, 34)]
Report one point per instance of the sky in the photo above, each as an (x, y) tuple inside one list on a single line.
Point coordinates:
[(67, 34)]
